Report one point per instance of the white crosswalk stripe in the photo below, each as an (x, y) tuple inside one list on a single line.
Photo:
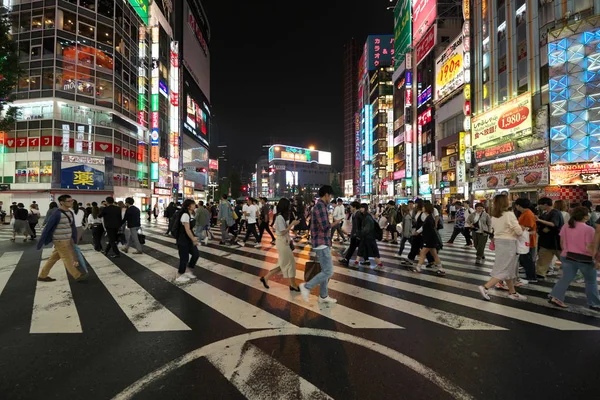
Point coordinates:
[(390, 290)]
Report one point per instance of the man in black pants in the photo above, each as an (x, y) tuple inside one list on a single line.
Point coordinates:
[(112, 222), (251, 214), (264, 220), (354, 240)]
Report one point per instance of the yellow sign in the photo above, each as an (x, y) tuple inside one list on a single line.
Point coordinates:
[(431, 178), (449, 69), (467, 91), (462, 146), (453, 190), (83, 178), (505, 120), (467, 9), (448, 162), (286, 155)]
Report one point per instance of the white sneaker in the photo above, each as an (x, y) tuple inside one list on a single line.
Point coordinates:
[(327, 300), (517, 296), (521, 282), (182, 279), (418, 268), (205, 241), (257, 246), (552, 273), (190, 275), (484, 293), (240, 243), (304, 292)]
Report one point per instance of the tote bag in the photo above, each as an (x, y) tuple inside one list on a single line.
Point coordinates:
[(523, 243)]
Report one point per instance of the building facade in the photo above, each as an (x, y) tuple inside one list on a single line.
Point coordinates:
[(351, 56), (99, 101)]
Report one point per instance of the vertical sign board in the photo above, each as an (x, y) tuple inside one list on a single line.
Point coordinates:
[(174, 108), (142, 100), (154, 117), (424, 14), (402, 31)]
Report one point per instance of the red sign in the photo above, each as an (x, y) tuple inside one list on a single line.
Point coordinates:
[(21, 142), (424, 13), (125, 153), (424, 118), (174, 99), (495, 151), (117, 149), (141, 118), (10, 143), (426, 44), (399, 175), (213, 164), (196, 29), (154, 119), (467, 107), (46, 140), (132, 154), (104, 147), (34, 142)]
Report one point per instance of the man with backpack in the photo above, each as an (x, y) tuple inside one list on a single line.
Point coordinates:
[(61, 231)]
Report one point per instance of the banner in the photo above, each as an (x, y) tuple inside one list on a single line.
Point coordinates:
[(505, 120), (402, 31), (82, 177), (449, 70), (449, 162), (516, 179), (424, 13), (538, 159), (425, 45), (575, 174)]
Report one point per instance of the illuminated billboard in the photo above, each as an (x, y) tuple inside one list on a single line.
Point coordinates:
[(141, 9), (574, 87), (196, 119), (449, 70), (379, 50), (513, 116), (402, 31), (280, 152), (424, 13)]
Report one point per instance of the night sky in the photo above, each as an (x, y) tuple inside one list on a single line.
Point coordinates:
[(277, 71)]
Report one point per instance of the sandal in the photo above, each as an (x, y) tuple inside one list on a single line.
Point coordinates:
[(440, 272), (556, 302)]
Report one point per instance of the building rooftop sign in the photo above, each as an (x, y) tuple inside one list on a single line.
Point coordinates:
[(280, 152)]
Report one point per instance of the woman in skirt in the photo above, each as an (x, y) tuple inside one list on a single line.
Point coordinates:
[(21, 226), (431, 241), (506, 230), (287, 263), (368, 243)]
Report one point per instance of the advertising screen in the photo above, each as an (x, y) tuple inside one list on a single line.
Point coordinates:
[(424, 14), (298, 154), (141, 9), (574, 88), (449, 70), (196, 54), (196, 119), (402, 31)]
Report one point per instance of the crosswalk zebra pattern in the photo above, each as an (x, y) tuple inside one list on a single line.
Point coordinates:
[(228, 283)]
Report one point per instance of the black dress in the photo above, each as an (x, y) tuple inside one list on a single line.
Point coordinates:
[(368, 243), (430, 237)]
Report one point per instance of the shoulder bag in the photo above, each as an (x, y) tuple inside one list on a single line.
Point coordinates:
[(311, 269)]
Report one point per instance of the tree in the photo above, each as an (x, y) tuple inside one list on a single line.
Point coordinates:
[(10, 71), (335, 185)]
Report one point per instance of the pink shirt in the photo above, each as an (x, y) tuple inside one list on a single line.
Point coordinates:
[(577, 240)]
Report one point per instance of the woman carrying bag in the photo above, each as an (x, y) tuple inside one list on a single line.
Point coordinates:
[(287, 263), (578, 250), (430, 241), (506, 231), (480, 223)]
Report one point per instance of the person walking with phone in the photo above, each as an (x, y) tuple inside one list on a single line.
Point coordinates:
[(187, 242), (60, 230), (480, 223), (320, 233), (113, 220), (286, 264)]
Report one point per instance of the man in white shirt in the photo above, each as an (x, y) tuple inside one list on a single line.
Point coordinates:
[(251, 214), (244, 217), (339, 213)]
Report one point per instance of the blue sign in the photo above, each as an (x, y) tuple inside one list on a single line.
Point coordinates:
[(163, 89), (154, 136), (424, 97), (82, 177)]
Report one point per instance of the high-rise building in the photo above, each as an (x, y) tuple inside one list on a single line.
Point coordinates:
[(222, 156), (374, 139), (351, 56)]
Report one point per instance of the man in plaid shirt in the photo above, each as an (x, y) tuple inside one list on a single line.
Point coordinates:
[(320, 233)]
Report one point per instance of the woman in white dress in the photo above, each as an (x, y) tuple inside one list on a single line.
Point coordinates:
[(287, 262), (506, 230)]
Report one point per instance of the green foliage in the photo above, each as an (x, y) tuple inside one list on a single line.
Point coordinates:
[(10, 71)]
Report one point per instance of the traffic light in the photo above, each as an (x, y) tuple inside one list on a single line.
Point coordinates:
[(442, 184), (200, 169), (244, 188)]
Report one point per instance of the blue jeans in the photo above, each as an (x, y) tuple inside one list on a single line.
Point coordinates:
[(322, 277), (590, 275)]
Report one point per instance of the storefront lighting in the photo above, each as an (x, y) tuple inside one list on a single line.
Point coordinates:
[(512, 157)]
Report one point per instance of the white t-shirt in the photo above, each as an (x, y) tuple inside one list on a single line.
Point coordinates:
[(423, 217), (280, 225), (338, 213), (79, 218), (252, 213), (185, 217), (244, 210)]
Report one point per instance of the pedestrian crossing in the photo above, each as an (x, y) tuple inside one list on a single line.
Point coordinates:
[(391, 297)]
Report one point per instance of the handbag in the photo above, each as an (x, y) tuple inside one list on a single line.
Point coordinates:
[(141, 236), (292, 247), (580, 258), (234, 214), (311, 269), (523, 243), (492, 245)]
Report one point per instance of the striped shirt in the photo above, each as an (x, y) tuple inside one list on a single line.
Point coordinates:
[(63, 229)]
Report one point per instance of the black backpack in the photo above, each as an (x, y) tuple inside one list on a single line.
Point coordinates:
[(175, 224)]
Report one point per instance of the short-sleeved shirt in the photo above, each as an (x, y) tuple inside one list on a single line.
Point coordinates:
[(185, 218), (280, 225), (252, 211), (548, 236), (577, 240), (244, 210)]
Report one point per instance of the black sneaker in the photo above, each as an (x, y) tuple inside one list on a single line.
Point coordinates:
[(595, 308), (344, 261), (540, 277), (365, 263), (46, 279)]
